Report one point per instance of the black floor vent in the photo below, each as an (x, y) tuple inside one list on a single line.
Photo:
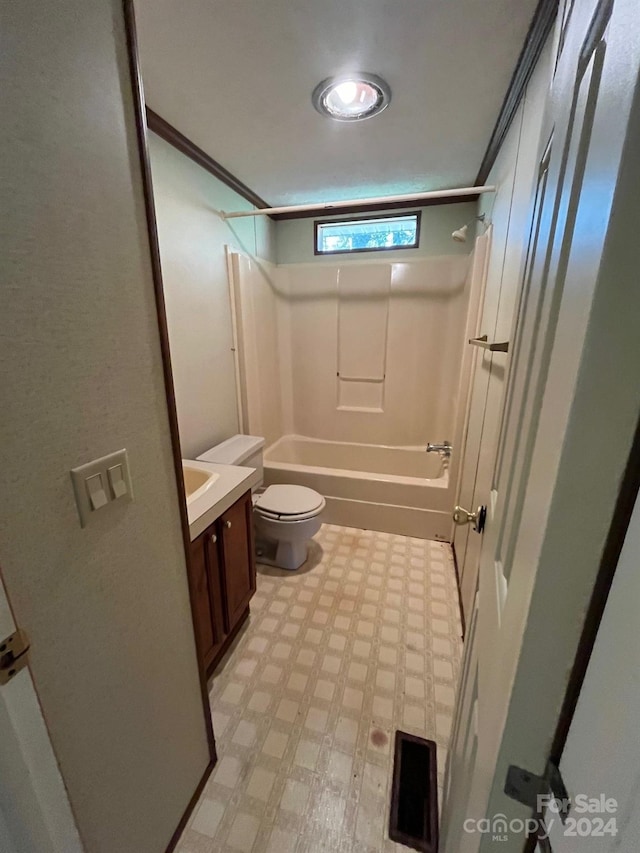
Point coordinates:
[(414, 794)]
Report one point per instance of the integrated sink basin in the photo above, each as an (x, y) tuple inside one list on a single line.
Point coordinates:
[(211, 488), (198, 479)]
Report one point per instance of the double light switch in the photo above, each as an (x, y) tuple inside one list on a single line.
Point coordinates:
[(101, 482)]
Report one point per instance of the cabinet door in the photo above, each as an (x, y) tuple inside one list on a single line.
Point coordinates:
[(216, 594), (239, 570), (201, 600)]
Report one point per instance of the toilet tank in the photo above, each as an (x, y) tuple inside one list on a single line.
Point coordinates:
[(238, 450)]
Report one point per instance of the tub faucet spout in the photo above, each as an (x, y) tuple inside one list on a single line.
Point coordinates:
[(445, 449)]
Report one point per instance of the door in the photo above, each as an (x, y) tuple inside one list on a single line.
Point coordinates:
[(35, 815), (514, 175), (216, 594), (469, 441), (601, 758), (238, 561), (201, 598), (575, 368)]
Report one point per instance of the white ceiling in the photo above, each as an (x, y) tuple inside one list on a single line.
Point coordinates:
[(236, 76)]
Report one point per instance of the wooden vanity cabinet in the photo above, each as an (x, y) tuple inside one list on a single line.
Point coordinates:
[(222, 580), (238, 559), (203, 622)]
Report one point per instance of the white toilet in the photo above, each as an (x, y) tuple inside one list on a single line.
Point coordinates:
[(285, 516)]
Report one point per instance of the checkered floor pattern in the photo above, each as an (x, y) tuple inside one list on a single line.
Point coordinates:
[(364, 639)]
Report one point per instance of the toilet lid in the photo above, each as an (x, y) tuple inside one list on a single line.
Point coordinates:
[(289, 500)]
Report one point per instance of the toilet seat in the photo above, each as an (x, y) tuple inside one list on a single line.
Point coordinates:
[(289, 503)]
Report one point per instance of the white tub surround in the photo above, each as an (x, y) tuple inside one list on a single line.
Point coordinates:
[(390, 489), (231, 483), (334, 351), (342, 350)]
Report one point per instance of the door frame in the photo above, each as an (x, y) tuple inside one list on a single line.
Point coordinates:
[(625, 503), (629, 490), (590, 457), (32, 791), (137, 94), (596, 480)]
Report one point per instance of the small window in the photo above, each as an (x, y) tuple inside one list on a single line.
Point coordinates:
[(374, 234)]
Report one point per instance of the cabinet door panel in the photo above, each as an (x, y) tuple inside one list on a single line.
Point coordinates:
[(236, 531), (200, 599), (216, 593)]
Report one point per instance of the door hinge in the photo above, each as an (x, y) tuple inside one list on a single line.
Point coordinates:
[(14, 655), (535, 791)]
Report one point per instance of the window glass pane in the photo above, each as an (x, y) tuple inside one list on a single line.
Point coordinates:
[(388, 232)]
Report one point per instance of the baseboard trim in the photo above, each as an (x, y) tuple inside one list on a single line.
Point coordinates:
[(191, 805)]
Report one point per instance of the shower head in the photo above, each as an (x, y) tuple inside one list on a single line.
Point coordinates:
[(460, 234)]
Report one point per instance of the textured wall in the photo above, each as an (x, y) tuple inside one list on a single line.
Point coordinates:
[(106, 607), (196, 286)]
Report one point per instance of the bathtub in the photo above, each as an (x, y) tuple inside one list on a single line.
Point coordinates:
[(392, 489)]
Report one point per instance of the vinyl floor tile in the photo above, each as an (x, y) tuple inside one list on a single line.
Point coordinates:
[(363, 640)]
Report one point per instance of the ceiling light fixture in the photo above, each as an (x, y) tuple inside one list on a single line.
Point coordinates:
[(351, 97)]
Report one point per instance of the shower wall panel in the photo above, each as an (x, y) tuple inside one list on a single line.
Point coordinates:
[(400, 325), (363, 317), (260, 346)]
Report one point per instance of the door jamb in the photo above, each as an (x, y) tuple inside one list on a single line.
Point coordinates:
[(156, 270), (629, 490), (627, 496)]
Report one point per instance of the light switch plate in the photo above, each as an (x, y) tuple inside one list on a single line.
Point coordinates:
[(114, 479)]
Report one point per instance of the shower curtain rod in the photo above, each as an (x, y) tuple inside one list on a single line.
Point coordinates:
[(336, 205)]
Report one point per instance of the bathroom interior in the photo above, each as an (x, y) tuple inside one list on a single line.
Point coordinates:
[(342, 382), (350, 371), (311, 313), (323, 399)]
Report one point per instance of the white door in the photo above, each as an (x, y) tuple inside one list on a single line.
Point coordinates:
[(514, 174), (530, 562), (35, 815), (601, 759), (468, 557)]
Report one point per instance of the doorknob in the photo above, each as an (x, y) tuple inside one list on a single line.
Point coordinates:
[(227, 524), (477, 518)]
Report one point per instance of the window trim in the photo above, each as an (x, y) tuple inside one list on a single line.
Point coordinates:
[(343, 219)]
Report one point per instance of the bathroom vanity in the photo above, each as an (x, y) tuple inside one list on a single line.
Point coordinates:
[(222, 572), (222, 580)]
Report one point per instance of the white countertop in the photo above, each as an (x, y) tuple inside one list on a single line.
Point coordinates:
[(233, 481)]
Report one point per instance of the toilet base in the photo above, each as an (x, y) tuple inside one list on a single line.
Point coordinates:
[(282, 555)]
